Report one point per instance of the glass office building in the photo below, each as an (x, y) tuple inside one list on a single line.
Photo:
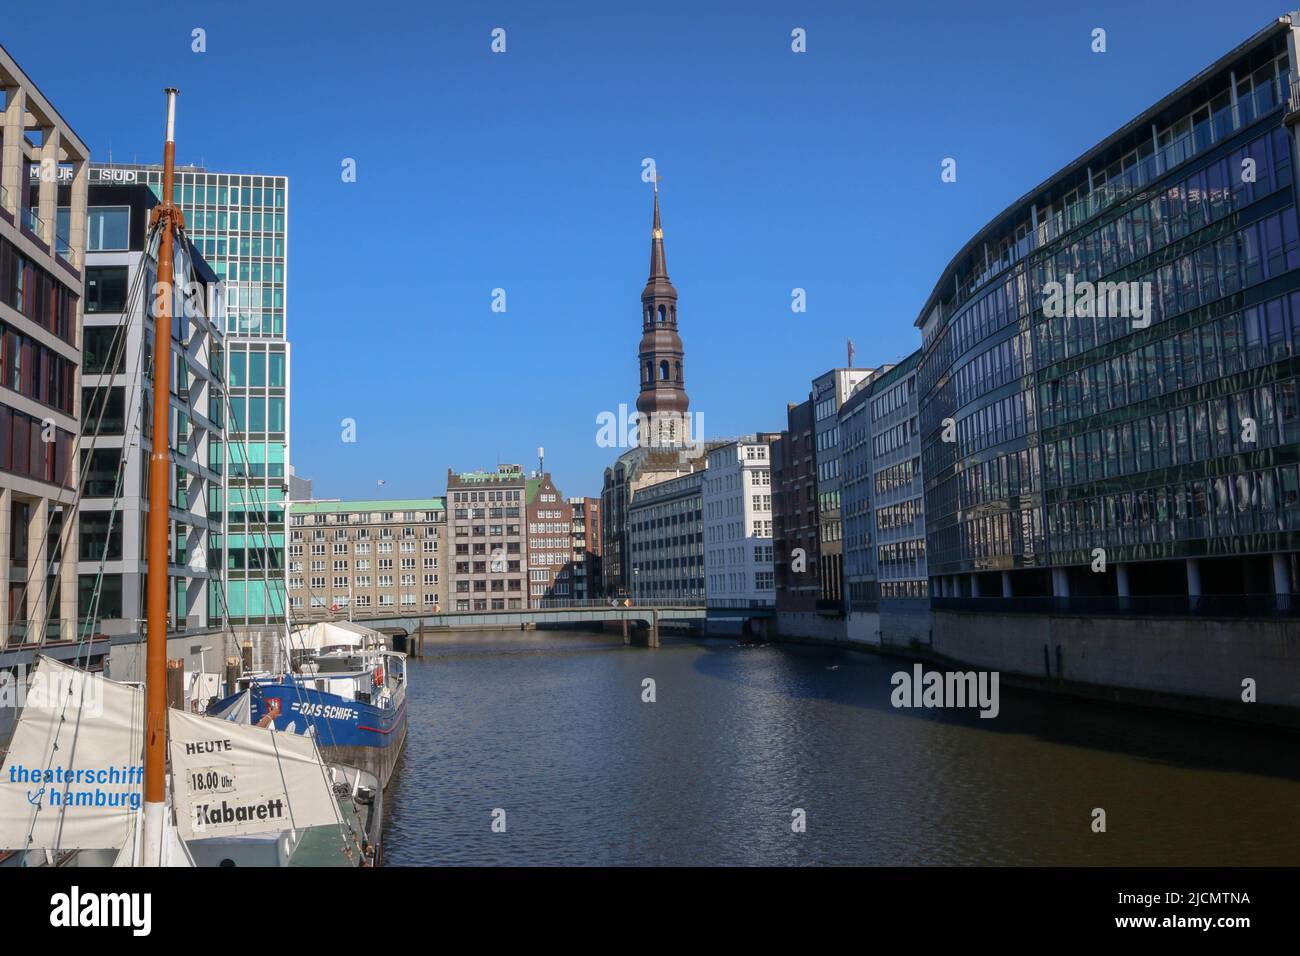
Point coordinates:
[(239, 224), (1099, 448)]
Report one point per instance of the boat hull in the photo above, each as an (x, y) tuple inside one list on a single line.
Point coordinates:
[(379, 761), (348, 732)]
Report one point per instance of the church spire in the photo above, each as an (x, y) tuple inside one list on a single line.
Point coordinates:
[(661, 356), (658, 266)]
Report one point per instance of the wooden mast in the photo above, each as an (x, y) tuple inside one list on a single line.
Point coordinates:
[(168, 218)]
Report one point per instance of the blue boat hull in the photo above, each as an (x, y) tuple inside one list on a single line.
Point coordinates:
[(348, 732)]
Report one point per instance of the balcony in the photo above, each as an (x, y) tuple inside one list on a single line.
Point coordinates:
[(1293, 102), (32, 224)]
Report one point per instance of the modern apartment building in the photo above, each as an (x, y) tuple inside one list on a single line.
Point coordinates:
[(795, 524), (737, 503), (861, 584), (897, 491), (487, 543), (550, 543), (1122, 449), (666, 541), (117, 400), (357, 559), (886, 585), (42, 266), (830, 391), (586, 543), (239, 224)]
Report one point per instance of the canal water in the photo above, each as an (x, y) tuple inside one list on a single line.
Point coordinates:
[(551, 728)]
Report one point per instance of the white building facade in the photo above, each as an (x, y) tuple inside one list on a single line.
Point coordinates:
[(737, 499)]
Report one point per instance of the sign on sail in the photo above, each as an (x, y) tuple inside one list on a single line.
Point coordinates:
[(234, 780), (72, 777)]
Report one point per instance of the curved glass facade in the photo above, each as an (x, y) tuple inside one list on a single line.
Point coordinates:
[(1108, 372)]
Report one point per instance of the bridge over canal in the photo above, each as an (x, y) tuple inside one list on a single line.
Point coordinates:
[(639, 622)]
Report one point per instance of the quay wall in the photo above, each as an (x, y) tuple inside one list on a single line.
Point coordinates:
[(895, 623), (1190, 665), (810, 626), (863, 627), (905, 623), (1197, 657)]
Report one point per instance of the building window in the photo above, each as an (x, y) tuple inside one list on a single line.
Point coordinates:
[(109, 228), (106, 288)]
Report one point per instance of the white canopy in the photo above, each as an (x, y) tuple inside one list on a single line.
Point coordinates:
[(334, 634)]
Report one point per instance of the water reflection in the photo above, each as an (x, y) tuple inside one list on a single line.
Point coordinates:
[(550, 727)]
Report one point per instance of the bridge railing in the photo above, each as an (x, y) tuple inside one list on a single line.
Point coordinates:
[(543, 604), (608, 604)]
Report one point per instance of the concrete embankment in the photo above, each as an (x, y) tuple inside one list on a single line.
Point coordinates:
[(1202, 666)]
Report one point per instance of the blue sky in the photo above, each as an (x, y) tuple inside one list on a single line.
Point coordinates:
[(522, 171)]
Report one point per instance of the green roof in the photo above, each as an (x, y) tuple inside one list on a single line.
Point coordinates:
[(490, 475), (394, 504), (530, 489)]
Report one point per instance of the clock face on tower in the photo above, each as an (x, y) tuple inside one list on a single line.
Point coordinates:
[(662, 396)]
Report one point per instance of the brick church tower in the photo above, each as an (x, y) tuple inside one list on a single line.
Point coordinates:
[(663, 398)]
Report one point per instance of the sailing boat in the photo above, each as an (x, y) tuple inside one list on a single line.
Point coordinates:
[(73, 790)]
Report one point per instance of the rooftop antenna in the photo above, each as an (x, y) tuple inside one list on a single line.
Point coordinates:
[(850, 353), (541, 460)]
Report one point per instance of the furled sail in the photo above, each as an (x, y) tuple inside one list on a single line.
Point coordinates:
[(72, 777), (233, 780)]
